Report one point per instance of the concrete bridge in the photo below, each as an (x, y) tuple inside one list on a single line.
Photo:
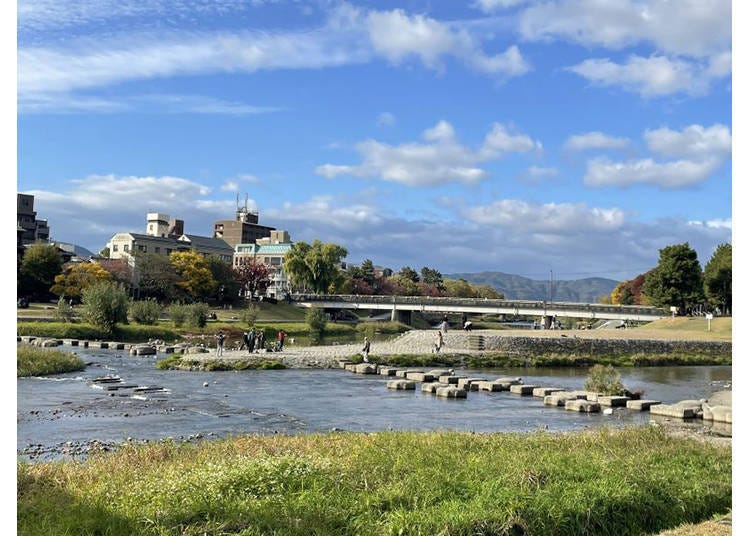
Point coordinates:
[(401, 307)]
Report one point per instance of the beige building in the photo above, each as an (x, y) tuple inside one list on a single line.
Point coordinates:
[(244, 229), (271, 251), (163, 236)]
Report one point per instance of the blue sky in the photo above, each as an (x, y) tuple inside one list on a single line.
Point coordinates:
[(577, 136)]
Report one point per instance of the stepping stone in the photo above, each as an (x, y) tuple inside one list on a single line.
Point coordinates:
[(440, 372), (470, 384), (420, 376), (509, 380), (366, 368), (717, 413), (402, 385), (450, 379), (107, 379), (522, 389), (591, 396), (387, 371), (350, 367), (450, 392), (116, 345), (686, 409), (613, 401), (583, 406), (641, 405), (402, 373), (431, 387), (560, 398), (490, 386), (545, 391)]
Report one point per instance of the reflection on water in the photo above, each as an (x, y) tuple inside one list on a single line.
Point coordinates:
[(67, 408)]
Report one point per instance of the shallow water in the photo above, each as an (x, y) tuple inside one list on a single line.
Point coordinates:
[(60, 416)]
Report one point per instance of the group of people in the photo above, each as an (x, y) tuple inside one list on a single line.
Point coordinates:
[(254, 341)]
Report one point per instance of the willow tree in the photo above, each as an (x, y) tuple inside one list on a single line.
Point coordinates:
[(314, 266)]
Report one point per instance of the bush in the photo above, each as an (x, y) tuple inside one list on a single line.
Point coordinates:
[(196, 316), (104, 305), (64, 311), (604, 379), (177, 313), (250, 314), (145, 312), (32, 361), (316, 321)]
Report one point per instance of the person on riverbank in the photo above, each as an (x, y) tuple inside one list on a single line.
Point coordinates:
[(281, 339), (251, 341), (366, 351), (220, 343), (260, 340), (444, 326)]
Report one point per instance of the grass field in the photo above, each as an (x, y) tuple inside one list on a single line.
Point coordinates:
[(31, 361)]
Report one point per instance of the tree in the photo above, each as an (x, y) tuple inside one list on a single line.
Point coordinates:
[(155, 277), (227, 288), (314, 267), (77, 277), (253, 278), (622, 294), (104, 305), (432, 277), (677, 280), (718, 278), (194, 274), (41, 263), (368, 272)]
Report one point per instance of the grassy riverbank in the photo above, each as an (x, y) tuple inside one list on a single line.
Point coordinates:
[(32, 361), (631, 481)]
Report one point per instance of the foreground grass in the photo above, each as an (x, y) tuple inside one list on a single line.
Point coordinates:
[(632, 481), (31, 361), (690, 327)]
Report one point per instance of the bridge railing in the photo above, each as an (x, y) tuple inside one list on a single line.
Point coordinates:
[(418, 301)]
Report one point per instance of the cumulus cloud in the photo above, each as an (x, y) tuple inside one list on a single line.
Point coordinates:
[(667, 175), (386, 119), (595, 140), (696, 28), (440, 160), (398, 36), (537, 174), (489, 6), (693, 141), (655, 76)]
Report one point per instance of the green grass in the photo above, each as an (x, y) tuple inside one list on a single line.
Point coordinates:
[(32, 361), (693, 326), (83, 331), (176, 362), (633, 481)]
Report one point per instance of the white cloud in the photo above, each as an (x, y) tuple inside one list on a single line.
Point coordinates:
[(655, 76), (713, 224), (696, 28), (230, 186), (398, 36), (536, 174), (595, 140), (667, 175), (441, 160), (694, 141), (489, 6), (553, 218), (386, 119)]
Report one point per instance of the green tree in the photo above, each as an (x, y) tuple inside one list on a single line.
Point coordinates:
[(77, 277), (41, 263), (316, 322), (155, 277), (194, 274), (368, 272), (146, 312), (227, 288), (432, 277), (622, 294), (717, 278), (314, 266), (105, 304), (677, 280)]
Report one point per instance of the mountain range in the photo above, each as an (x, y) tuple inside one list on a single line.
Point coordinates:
[(516, 287)]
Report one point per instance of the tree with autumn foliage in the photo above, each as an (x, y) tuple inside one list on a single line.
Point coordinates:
[(253, 278), (195, 277), (77, 277)]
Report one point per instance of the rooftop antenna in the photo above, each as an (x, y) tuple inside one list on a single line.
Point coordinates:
[(238, 201), (245, 202)]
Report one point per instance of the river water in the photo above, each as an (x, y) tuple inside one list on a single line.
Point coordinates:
[(64, 415)]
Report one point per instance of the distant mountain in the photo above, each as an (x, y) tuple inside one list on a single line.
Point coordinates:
[(515, 287)]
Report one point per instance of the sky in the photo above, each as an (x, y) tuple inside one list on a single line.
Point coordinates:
[(572, 138)]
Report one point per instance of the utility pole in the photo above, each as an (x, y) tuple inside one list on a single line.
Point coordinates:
[(550, 285)]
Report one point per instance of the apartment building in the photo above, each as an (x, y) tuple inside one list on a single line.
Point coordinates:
[(271, 251)]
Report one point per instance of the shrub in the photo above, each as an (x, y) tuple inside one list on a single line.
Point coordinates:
[(32, 361), (196, 316), (177, 313), (145, 312), (104, 305), (604, 379), (250, 314), (316, 321), (64, 311)]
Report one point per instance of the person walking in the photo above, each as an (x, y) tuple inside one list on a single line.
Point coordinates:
[(444, 327), (251, 341), (366, 350), (440, 342), (220, 343), (261, 340), (281, 339)]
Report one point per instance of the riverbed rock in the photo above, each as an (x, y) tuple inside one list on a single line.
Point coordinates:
[(405, 385), (197, 350), (583, 406), (49, 343)]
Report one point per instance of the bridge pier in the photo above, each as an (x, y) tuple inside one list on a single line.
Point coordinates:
[(401, 316), (547, 321)]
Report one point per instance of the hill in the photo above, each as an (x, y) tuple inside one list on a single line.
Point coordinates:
[(516, 287)]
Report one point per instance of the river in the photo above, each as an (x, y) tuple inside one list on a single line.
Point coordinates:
[(66, 415)]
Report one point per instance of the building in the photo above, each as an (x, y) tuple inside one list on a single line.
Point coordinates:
[(244, 229), (271, 251), (163, 236), (30, 229)]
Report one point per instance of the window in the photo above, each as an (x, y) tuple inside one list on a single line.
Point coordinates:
[(141, 248), (156, 249), (114, 247), (126, 247)]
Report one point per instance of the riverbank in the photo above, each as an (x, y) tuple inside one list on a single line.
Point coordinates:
[(637, 480)]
